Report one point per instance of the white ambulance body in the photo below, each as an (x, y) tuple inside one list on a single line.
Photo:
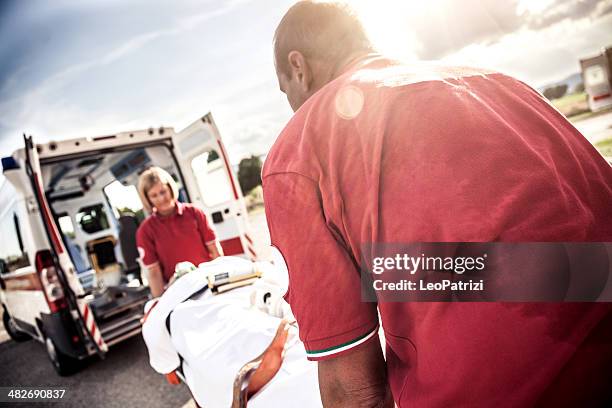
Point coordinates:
[(597, 77), (69, 270)]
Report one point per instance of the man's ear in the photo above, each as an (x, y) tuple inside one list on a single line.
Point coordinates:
[(301, 69)]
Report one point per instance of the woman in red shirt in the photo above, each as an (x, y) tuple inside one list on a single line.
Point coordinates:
[(174, 232)]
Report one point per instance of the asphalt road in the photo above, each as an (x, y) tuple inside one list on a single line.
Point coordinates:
[(597, 128), (260, 233), (123, 379)]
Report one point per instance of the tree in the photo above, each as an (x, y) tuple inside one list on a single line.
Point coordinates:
[(139, 214), (579, 88), (555, 92), (249, 173)]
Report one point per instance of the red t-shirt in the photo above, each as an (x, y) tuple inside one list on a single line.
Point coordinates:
[(179, 237), (424, 153)]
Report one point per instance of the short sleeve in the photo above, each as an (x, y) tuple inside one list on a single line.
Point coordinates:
[(207, 233), (324, 283), (146, 246)]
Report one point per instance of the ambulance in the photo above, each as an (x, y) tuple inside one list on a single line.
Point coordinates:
[(597, 76), (70, 273)]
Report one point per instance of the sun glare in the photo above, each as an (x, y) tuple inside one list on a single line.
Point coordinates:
[(383, 22), (386, 24)]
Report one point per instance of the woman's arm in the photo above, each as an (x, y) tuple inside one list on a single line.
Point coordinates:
[(148, 258), (214, 249), (155, 278)]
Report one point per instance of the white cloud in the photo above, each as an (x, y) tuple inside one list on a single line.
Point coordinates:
[(539, 56), (45, 111)]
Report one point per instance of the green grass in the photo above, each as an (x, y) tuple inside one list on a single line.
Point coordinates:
[(589, 114), (576, 107), (572, 105), (605, 147), (570, 100)]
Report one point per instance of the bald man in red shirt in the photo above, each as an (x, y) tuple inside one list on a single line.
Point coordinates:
[(377, 152)]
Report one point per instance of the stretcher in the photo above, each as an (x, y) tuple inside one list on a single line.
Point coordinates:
[(231, 348)]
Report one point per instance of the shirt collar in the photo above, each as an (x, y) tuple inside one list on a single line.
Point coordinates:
[(180, 209)]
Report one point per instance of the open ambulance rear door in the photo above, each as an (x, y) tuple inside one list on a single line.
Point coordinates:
[(60, 283), (213, 186)]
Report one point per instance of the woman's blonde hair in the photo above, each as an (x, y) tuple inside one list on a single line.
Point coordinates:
[(151, 177)]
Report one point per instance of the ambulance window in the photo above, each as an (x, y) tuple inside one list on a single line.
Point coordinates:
[(12, 254), (594, 75), (212, 178), (65, 224), (92, 219), (124, 199)]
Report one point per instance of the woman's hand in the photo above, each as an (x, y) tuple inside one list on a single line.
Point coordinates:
[(214, 250)]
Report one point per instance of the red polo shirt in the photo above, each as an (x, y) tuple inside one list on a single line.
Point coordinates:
[(175, 238), (423, 153)]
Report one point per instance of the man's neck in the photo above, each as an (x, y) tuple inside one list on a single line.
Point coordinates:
[(342, 66), (324, 73)]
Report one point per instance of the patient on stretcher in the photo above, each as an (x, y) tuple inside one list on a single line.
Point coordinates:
[(209, 338)]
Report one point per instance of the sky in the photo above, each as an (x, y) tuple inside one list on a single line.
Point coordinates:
[(77, 69)]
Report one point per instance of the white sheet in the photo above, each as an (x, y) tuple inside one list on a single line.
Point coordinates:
[(218, 334)]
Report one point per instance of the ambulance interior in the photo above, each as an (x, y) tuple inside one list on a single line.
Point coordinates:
[(95, 203)]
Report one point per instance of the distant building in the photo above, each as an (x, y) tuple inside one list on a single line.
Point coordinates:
[(597, 77)]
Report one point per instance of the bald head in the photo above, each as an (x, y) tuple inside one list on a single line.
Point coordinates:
[(314, 41), (325, 31)]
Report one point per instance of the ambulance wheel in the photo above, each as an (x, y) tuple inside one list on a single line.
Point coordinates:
[(63, 364), (12, 329)]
